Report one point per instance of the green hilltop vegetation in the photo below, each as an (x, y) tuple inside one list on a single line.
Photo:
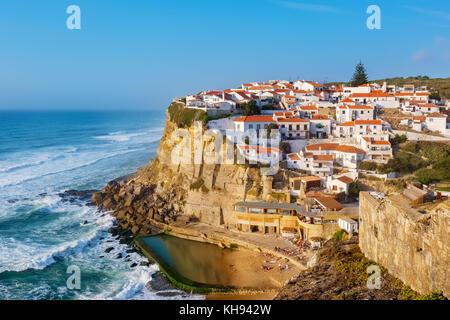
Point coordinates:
[(439, 85), (424, 161), (185, 117)]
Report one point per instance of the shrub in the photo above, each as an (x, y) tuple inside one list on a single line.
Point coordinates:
[(197, 184), (425, 176), (368, 165), (398, 139), (403, 162), (185, 117), (435, 96), (220, 116), (340, 235), (411, 147), (406, 293), (354, 189), (285, 147), (269, 129), (250, 108)]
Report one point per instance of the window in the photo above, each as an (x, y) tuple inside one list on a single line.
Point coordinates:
[(306, 127), (250, 126)]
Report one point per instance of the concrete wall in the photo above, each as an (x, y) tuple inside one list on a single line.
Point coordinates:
[(413, 247)]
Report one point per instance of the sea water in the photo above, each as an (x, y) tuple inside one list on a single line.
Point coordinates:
[(43, 233)]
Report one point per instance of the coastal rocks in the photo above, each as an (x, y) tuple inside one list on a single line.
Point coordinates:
[(340, 273), (108, 250), (135, 205), (159, 282), (74, 195)]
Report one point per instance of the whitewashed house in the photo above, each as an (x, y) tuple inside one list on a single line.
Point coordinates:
[(359, 127), (339, 184), (295, 128), (320, 126), (376, 150), (260, 154), (256, 122), (348, 113), (376, 97), (317, 165), (427, 108), (436, 122), (346, 156), (349, 156), (349, 225), (307, 112), (421, 96), (308, 85)]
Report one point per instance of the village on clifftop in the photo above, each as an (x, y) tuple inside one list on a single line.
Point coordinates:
[(326, 132)]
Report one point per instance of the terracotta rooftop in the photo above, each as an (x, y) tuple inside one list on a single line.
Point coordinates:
[(322, 146), (345, 179), (255, 119), (329, 203), (349, 149)]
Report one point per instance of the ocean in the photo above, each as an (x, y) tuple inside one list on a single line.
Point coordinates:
[(43, 232)]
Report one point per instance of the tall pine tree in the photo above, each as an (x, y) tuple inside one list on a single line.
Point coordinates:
[(360, 75)]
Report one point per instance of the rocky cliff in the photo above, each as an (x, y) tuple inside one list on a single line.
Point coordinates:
[(413, 245), (170, 192), (340, 273)]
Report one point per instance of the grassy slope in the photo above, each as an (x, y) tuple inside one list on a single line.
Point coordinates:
[(341, 274), (442, 85)]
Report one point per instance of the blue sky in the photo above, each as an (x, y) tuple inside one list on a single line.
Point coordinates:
[(138, 54)]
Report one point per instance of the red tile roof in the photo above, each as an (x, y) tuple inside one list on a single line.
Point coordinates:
[(292, 120), (371, 95), (320, 117), (368, 122), (360, 107), (293, 156), (345, 179), (255, 119), (436, 115), (324, 157), (347, 124), (322, 146), (329, 203), (309, 108), (381, 142), (349, 149)]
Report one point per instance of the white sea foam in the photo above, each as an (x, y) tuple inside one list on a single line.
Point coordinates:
[(20, 256), (51, 233), (120, 136), (16, 179)]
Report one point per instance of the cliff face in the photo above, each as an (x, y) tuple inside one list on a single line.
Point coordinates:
[(175, 192), (413, 246)]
